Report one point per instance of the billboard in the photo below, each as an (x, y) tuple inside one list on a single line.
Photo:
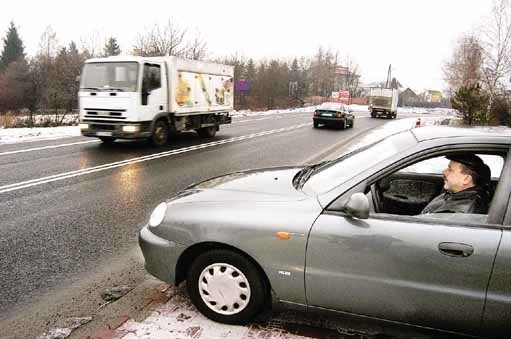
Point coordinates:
[(344, 96)]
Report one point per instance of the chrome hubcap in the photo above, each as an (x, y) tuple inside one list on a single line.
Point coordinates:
[(224, 288)]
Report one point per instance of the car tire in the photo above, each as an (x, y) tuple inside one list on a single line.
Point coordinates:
[(352, 123), (160, 135), (315, 124), (226, 287), (107, 140)]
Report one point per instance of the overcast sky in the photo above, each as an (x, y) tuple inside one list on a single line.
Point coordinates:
[(416, 37)]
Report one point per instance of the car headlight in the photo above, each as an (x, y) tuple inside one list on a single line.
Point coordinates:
[(158, 215)]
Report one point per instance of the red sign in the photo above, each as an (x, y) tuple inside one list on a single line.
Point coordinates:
[(344, 94)]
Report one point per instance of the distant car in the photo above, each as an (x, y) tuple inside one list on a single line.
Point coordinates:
[(344, 236), (333, 114)]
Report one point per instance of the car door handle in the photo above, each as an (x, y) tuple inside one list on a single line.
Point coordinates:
[(454, 249)]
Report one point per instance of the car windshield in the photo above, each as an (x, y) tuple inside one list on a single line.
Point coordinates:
[(108, 76), (330, 106), (346, 167)]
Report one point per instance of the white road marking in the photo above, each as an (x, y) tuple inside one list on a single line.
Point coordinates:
[(273, 117), (66, 175), (48, 147)]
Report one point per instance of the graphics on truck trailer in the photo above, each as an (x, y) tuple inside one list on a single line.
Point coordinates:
[(137, 97)]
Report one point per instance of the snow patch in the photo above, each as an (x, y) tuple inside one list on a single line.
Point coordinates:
[(64, 329), (16, 135)]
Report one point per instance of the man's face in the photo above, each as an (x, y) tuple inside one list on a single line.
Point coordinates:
[(454, 179)]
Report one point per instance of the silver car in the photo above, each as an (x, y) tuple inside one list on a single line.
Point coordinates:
[(345, 236)]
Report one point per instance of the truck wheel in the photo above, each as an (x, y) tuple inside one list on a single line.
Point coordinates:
[(207, 132), (160, 133), (226, 287), (107, 140)]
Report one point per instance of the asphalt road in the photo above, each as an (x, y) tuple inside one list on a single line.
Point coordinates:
[(68, 206)]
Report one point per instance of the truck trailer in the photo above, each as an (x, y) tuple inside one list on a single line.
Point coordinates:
[(383, 102), (153, 98)]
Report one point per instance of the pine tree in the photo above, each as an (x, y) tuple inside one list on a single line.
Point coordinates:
[(111, 47), (13, 48), (471, 103)]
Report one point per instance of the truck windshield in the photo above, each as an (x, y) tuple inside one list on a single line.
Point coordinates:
[(110, 76)]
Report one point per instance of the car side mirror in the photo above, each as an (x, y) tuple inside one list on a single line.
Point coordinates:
[(357, 206)]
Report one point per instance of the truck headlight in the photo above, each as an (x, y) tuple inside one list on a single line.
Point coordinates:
[(158, 215), (83, 126), (130, 128)]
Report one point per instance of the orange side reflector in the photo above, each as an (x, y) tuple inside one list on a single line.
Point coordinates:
[(283, 235)]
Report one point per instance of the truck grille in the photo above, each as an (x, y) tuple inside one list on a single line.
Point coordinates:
[(100, 113)]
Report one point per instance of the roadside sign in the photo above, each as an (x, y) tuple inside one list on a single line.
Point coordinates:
[(242, 85)]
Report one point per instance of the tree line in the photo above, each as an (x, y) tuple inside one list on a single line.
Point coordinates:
[(46, 82), (479, 70)]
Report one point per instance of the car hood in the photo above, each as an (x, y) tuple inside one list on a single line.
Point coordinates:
[(272, 184)]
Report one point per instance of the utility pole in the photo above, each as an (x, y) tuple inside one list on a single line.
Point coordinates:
[(389, 76)]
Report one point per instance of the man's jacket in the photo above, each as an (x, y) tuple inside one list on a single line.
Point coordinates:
[(471, 200)]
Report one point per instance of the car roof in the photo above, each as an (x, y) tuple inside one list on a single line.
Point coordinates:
[(499, 133)]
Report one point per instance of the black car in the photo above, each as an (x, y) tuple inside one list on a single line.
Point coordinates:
[(333, 114)]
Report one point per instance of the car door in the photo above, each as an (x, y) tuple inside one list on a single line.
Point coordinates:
[(408, 269)]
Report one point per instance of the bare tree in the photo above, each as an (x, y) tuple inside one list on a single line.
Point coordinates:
[(496, 43), (49, 44), (464, 67), (93, 44), (196, 48), (351, 80), (166, 40)]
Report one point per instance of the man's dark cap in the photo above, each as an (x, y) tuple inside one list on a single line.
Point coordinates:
[(474, 163)]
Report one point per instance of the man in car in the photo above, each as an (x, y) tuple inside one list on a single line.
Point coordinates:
[(466, 182)]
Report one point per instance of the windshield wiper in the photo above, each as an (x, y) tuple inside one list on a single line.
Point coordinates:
[(99, 89), (113, 89), (305, 173)]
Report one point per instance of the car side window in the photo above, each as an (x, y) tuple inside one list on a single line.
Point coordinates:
[(409, 190), (438, 164)]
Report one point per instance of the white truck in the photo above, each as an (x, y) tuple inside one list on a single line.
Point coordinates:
[(383, 102), (153, 97)]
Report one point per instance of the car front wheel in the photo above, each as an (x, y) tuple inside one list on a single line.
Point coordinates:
[(226, 287)]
